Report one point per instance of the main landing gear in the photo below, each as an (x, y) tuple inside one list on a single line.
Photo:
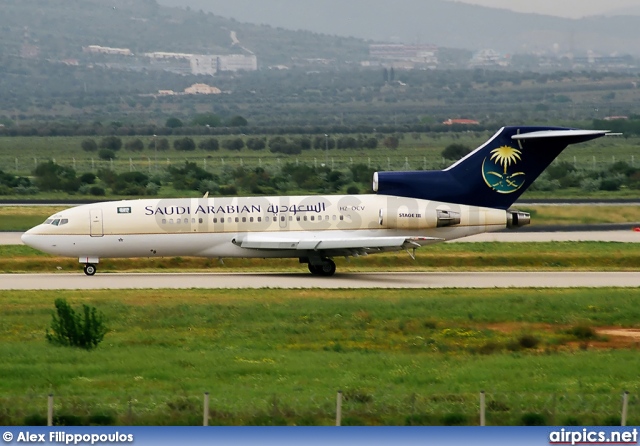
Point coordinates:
[(89, 269), (327, 268)]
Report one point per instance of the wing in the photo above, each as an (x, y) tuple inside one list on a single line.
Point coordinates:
[(335, 246)]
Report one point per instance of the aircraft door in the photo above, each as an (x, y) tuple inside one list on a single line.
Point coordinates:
[(96, 223), (282, 220)]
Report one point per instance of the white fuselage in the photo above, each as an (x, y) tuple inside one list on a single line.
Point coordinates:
[(211, 227)]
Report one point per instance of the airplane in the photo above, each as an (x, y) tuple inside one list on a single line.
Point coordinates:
[(409, 210)]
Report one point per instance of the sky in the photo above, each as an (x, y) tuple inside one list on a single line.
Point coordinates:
[(565, 8)]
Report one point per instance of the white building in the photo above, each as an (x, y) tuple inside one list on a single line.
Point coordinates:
[(107, 50), (211, 64), (202, 89)]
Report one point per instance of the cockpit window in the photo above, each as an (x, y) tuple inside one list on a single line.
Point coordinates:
[(64, 221), (48, 221), (56, 222)]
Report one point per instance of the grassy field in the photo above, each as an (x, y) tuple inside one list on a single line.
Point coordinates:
[(279, 356), (583, 256)]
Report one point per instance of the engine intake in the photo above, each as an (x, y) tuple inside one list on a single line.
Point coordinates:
[(448, 218), (517, 219)]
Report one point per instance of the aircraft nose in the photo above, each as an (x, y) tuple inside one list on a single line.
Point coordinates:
[(31, 239), (26, 238)]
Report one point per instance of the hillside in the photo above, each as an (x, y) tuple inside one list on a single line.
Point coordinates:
[(444, 23), (60, 28)]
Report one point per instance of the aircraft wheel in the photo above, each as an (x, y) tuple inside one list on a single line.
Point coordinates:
[(328, 268), (89, 269), (315, 269)]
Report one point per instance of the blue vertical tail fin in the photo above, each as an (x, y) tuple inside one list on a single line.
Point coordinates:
[(494, 175)]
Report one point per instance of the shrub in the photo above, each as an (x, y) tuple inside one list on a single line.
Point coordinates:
[(455, 152), (210, 145), (97, 191), (35, 419), (571, 421), (528, 341), (533, 419), (582, 332), (454, 419), (89, 145), (71, 329), (185, 144), (106, 154), (101, 419), (612, 420), (135, 145), (111, 143)]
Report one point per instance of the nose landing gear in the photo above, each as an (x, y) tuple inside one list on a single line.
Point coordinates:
[(89, 269)]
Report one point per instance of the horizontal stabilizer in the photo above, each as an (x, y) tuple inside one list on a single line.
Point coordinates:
[(318, 244), (582, 135)]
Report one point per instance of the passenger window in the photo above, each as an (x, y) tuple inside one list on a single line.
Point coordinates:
[(326, 218), (266, 219), (250, 219), (222, 220), (334, 218), (171, 221), (341, 217), (290, 218), (259, 219), (164, 221), (298, 218), (200, 221), (244, 219), (313, 218), (193, 220), (305, 218), (237, 219), (215, 220), (282, 218)]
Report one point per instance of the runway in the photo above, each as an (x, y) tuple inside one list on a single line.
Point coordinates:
[(79, 281)]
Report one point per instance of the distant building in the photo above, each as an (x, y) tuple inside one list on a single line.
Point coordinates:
[(489, 57), (107, 50), (418, 54), (461, 122), (160, 55), (616, 118), (202, 89), (166, 92), (211, 64)]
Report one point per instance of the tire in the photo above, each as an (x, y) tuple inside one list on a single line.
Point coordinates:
[(328, 268), (89, 269), (315, 269)]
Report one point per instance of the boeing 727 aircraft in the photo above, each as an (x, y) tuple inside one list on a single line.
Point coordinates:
[(408, 211)]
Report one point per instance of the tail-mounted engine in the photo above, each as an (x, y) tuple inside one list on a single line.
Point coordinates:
[(517, 219)]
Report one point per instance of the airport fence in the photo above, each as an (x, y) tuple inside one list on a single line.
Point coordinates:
[(342, 408), (152, 165)]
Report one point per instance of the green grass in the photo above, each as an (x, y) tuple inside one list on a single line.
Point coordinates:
[(581, 256), (279, 356)]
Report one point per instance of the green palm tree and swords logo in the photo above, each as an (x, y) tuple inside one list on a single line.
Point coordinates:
[(496, 170)]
